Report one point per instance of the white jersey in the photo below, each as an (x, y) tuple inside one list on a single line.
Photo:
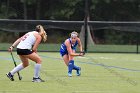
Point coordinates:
[(27, 41)]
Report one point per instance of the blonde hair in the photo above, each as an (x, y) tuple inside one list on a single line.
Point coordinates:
[(73, 33), (41, 31)]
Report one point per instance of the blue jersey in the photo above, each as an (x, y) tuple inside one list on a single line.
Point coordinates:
[(63, 48)]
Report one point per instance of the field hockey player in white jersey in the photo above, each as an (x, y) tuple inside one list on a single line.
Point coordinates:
[(27, 49)]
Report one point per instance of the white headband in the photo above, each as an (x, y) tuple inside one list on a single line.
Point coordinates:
[(73, 35)]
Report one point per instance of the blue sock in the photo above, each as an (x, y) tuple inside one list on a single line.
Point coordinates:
[(75, 67), (70, 66)]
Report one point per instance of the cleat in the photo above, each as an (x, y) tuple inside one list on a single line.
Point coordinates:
[(37, 79), (69, 74), (78, 72), (10, 76)]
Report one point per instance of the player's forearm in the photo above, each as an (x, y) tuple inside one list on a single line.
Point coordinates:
[(35, 47), (80, 48), (74, 54), (36, 44), (16, 43)]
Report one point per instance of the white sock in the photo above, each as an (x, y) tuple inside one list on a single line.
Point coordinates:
[(17, 68), (37, 70)]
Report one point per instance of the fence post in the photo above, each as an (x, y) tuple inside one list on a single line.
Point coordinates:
[(137, 41), (86, 24)]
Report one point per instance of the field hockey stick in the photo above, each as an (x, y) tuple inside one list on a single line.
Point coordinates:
[(20, 78)]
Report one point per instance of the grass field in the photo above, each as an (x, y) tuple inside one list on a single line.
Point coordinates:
[(90, 48), (101, 73)]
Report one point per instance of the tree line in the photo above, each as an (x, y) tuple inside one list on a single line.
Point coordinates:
[(98, 10)]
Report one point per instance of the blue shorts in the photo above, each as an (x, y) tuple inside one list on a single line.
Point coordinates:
[(62, 52), (24, 51)]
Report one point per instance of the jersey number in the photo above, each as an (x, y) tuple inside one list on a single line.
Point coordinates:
[(24, 37)]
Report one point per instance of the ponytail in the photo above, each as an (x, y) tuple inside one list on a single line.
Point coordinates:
[(41, 31)]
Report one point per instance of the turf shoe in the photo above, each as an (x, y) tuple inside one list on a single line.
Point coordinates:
[(78, 72), (37, 79), (10, 76), (69, 74)]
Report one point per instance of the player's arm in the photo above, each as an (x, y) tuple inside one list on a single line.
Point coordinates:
[(80, 45), (70, 50), (14, 44), (37, 42)]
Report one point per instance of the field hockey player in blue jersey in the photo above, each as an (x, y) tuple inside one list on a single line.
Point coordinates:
[(68, 52)]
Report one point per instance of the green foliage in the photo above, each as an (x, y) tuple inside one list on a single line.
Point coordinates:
[(6, 12), (63, 9), (29, 2), (7, 37), (116, 10), (105, 10), (66, 9), (119, 37)]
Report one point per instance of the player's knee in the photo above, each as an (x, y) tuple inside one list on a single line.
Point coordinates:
[(39, 60)]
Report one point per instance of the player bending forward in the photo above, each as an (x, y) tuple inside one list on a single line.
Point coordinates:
[(27, 49), (67, 52)]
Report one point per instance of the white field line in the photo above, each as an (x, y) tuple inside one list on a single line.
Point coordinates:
[(5, 91), (87, 57)]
